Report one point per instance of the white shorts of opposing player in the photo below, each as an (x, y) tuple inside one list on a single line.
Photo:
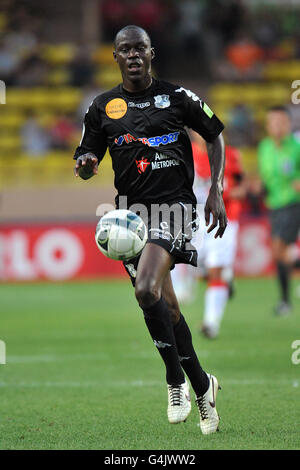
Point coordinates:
[(216, 252), (212, 253), (179, 403)]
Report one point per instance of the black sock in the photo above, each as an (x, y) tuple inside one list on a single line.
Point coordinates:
[(283, 274), (160, 326), (188, 358)]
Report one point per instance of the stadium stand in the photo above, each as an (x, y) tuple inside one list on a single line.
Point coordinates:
[(54, 94)]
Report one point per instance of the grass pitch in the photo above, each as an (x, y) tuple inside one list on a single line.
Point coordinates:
[(82, 372)]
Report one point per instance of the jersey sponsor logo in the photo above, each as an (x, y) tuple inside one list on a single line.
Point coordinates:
[(160, 161), (163, 161), (142, 164), (127, 138), (131, 104), (150, 141), (116, 108), (162, 101)]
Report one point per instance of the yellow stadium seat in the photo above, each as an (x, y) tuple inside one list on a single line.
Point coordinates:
[(104, 55), (223, 93), (249, 158), (108, 77), (9, 143), (282, 70), (58, 54), (65, 99), (58, 76), (11, 121), (39, 98)]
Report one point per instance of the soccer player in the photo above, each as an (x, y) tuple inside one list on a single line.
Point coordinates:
[(215, 257), (279, 167), (142, 122)]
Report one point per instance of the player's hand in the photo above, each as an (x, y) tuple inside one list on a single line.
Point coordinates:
[(86, 166), (215, 206)]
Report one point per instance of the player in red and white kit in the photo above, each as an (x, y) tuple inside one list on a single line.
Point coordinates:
[(215, 256)]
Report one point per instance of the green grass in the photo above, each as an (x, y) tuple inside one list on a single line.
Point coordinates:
[(82, 372)]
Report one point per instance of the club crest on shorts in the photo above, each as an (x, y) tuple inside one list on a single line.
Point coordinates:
[(162, 101)]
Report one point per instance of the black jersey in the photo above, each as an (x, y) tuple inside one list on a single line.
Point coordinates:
[(145, 132)]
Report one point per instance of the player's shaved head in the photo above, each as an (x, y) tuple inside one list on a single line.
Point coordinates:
[(133, 53), (131, 29)]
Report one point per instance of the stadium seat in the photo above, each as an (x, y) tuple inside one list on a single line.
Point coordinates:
[(10, 143), (104, 55), (108, 76), (58, 76), (11, 121), (224, 93), (58, 54), (282, 70)]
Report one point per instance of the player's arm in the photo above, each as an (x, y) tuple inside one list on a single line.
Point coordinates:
[(92, 147), (214, 204), (201, 119)]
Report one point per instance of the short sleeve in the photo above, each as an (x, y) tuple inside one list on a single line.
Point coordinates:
[(198, 116), (93, 137)]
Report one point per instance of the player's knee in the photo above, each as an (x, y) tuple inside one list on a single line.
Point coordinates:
[(147, 292)]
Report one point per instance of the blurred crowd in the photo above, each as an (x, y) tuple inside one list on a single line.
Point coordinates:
[(216, 41), (223, 40)]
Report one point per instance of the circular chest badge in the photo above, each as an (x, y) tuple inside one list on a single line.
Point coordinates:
[(116, 108)]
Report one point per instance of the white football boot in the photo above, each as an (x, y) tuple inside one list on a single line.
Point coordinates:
[(179, 402), (209, 418)]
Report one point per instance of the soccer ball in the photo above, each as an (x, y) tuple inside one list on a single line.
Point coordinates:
[(121, 234)]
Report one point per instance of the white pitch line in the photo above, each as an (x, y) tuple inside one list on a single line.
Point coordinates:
[(48, 358), (139, 383), (55, 358)]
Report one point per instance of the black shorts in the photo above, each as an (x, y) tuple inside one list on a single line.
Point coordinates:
[(285, 223), (173, 230)]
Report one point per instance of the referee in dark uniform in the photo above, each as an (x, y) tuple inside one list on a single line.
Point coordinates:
[(142, 122)]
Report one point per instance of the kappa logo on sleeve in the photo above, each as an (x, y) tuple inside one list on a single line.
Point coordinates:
[(194, 97)]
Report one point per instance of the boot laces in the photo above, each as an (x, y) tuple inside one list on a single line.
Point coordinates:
[(200, 402), (175, 395)]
